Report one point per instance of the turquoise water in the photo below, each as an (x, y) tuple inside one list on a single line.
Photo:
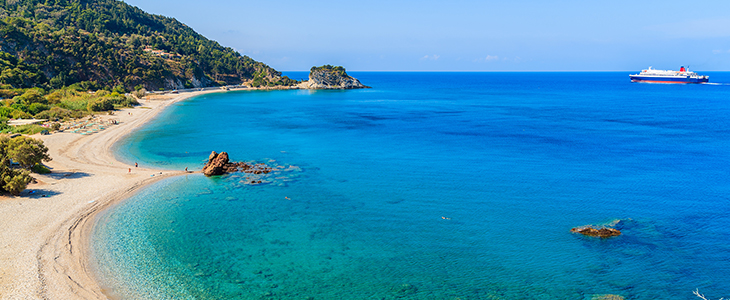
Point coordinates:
[(433, 186)]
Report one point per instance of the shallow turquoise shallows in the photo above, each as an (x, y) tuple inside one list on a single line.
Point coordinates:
[(432, 186)]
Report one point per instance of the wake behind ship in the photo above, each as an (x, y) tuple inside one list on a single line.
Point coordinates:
[(684, 75)]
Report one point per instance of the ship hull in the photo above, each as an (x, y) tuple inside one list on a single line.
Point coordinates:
[(666, 79)]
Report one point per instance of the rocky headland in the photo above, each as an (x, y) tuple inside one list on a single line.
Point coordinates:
[(330, 77)]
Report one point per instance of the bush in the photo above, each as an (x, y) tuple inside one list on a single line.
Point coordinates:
[(36, 108), (6, 112), (102, 104), (31, 96), (16, 114), (140, 93), (75, 103), (55, 97), (119, 89), (15, 181), (27, 151), (25, 129), (77, 114), (121, 101), (9, 93), (84, 86), (19, 106), (55, 113), (40, 169)]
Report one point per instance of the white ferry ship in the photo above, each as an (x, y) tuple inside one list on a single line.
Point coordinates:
[(684, 75)]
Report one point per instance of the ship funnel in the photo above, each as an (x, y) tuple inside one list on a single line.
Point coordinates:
[(681, 69)]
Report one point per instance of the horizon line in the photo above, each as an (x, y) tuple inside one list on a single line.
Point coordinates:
[(490, 71)]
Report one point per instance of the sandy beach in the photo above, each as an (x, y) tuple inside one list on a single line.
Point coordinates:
[(45, 230)]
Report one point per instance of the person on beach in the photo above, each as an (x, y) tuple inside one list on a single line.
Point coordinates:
[(130, 170), (135, 165), (186, 169)]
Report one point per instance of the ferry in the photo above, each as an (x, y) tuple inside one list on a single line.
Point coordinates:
[(684, 75)]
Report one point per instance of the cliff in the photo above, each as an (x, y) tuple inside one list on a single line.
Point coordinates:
[(330, 77)]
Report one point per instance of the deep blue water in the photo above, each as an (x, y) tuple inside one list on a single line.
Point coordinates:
[(433, 186)]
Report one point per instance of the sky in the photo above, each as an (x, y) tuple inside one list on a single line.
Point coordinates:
[(464, 35)]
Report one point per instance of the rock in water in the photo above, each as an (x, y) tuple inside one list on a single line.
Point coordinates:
[(602, 232), (331, 77), (219, 164), (607, 297), (216, 164)]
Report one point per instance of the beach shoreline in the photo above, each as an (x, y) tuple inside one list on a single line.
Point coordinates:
[(44, 244)]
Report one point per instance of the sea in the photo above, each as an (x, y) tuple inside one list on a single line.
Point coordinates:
[(432, 185)]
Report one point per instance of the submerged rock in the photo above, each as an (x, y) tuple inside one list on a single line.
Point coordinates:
[(607, 297), (603, 232), (404, 290)]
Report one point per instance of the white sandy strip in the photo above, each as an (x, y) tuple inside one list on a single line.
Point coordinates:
[(44, 240)]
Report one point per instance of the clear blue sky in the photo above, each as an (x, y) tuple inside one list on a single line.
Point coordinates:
[(464, 35)]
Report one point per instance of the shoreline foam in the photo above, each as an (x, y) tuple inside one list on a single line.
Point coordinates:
[(44, 244)]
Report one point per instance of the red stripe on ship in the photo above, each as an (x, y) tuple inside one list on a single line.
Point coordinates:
[(657, 81)]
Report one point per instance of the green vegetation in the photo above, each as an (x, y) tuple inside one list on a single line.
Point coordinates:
[(63, 59), (40, 169), (108, 44), (28, 153), (62, 104), (336, 70), (24, 129)]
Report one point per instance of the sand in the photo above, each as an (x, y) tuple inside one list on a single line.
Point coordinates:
[(45, 231)]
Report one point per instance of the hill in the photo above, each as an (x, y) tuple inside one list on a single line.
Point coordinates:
[(108, 43)]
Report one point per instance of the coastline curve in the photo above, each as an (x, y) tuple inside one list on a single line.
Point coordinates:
[(48, 233)]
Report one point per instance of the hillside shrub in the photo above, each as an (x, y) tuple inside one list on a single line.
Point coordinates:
[(15, 181), (36, 108), (102, 104), (55, 113), (17, 114), (40, 169), (6, 112), (24, 129), (31, 96)]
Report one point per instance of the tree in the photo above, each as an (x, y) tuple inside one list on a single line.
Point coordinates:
[(119, 89), (36, 108), (13, 180), (27, 151), (31, 96), (140, 93), (101, 104)]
